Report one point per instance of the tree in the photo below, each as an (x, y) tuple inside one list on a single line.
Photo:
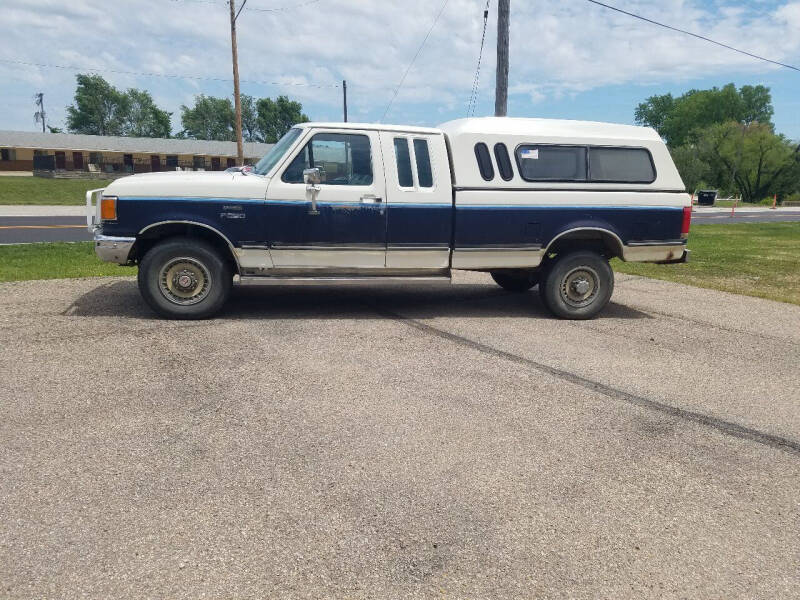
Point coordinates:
[(209, 119), (250, 131), (276, 117), (144, 118), (758, 162), (101, 109), (678, 120)]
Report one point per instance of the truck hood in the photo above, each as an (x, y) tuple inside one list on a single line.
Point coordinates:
[(189, 184)]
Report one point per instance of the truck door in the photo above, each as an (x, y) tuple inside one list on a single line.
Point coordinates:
[(419, 200), (348, 230)]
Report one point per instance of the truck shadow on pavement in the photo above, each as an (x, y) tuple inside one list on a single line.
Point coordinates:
[(122, 299)]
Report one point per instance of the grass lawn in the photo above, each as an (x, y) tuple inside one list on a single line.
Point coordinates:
[(755, 259), (54, 261), (39, 190)]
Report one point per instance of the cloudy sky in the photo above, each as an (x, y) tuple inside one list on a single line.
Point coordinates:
[(569, 58)]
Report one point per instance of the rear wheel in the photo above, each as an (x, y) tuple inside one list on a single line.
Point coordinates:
[(184, 278), (577, 285), (515, 281)]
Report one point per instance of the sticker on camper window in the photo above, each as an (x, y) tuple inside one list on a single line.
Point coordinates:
[(531, 153)]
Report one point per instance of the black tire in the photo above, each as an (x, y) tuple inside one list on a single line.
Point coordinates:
[(577, 285), (515, 281), (207, 277)]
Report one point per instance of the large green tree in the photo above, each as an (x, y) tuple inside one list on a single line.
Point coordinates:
[(751, 158), (678, 120), (99, 107), (143, 117), (250, 131), (209, 119), (102, 109), (276, 117)]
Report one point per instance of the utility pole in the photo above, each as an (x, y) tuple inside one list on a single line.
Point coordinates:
[(237, 100), (40, 115), (501, 86), (344, 97)]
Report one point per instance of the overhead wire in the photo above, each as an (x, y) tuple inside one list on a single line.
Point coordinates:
[(473, 97), (165, 75), (695, 35), (421, 46)]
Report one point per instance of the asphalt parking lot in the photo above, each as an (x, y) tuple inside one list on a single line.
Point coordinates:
[(450, 441)]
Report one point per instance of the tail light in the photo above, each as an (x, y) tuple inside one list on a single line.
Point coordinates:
[(687, 221), (108, 208)]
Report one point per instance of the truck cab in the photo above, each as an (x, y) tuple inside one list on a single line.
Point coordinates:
[(531, 201)]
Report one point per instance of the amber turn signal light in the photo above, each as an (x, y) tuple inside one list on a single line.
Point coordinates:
[(108, 208)]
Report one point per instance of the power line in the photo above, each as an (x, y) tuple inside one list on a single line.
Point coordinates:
[(473, 98), (695, 35), (427, 35), (165, 75), (256, 8)]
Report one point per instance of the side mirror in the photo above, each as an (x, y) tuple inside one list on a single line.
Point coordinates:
[(313, 176)]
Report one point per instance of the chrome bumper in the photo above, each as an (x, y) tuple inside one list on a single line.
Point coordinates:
[(113, 249), (656, 252)]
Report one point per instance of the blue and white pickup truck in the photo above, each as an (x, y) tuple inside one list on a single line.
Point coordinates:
[(531, 201)]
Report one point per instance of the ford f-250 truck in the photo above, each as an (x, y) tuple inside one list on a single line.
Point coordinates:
[(531, 201)]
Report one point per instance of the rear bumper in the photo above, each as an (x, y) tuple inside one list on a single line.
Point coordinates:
[(113, 249), (671, 252)]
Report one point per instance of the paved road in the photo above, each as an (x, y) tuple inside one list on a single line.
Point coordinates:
[(398, 443), (23, 230), (744, 216)]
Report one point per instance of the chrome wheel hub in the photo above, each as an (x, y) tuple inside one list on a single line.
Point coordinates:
[(184, 281), (580, 286)]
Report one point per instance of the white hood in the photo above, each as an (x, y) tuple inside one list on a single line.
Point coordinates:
[(190, 184)]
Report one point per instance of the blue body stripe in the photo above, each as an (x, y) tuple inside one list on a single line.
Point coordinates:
[(288, 221)]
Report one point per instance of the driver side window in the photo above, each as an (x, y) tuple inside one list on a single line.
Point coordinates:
[(343, 158)]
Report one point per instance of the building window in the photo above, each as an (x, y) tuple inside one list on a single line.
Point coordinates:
[(95, 158), (231, 162), (344, 159), (621, 165), (172, 161), (503, 162), (423, 159), (551, 163), (5, 154), (199, 162), (403, 159), (484, 161)]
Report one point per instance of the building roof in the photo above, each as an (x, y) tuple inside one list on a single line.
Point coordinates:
[(548, 128), (110, 143)]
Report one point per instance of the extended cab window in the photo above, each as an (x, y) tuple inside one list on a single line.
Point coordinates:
[(621, 165), (423, 160), (551, 163), (344, 159), (403, 158)]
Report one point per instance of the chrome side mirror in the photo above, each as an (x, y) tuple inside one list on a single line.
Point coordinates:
[(312, 178)]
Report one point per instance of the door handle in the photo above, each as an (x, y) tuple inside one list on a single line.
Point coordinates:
[(371, 199)]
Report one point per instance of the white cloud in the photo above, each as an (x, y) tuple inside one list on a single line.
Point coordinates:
[(557, 48)]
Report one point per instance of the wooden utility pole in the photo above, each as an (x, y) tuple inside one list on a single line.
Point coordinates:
[(344, 98), (501, 86), (236, 98)]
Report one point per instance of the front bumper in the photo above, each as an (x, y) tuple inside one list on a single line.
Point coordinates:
[(113, 249)]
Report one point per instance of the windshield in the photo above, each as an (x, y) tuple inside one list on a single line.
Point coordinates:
[(265, 165)]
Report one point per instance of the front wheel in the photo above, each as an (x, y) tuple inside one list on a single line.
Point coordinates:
[(184, 278), (577, 285)]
